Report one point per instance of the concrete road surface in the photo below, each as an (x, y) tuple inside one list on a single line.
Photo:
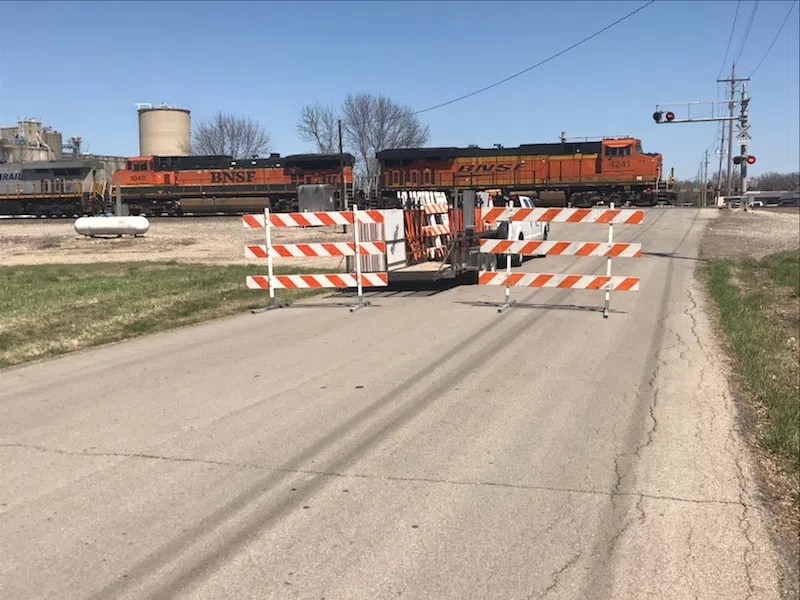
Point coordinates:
[(427, 447)]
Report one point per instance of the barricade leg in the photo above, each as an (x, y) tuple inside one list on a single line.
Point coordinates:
[(509, 302), (608, 265), (270, 273), (356, 238)]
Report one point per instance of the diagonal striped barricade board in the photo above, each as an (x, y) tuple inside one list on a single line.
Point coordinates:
[(604, 216), (356, 248)]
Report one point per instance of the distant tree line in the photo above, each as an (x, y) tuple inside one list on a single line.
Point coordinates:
[(773, 182), (370, 124), (766, 182)]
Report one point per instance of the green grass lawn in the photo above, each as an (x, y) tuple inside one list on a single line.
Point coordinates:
[(759, 304), (46, 310)]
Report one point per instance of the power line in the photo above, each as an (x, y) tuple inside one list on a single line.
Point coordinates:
[(747, 31), (730, 39), (546, 60), (775, 39)]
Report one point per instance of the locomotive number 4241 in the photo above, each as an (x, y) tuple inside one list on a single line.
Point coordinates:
[(620, 164)]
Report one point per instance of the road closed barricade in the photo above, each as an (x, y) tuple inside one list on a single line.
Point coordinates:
[(610, 249), (355, 248)]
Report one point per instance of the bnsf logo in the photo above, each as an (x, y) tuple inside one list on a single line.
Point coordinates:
[(489, 168), (233, 177)]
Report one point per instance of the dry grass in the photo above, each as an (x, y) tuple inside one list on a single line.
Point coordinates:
[(208, 240), (53, 309)]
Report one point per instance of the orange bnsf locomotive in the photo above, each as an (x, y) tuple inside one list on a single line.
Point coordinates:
[(561, 174), (155, 185)]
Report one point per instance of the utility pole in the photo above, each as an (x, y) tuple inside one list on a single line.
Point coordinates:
[(721, 154), (730, 128), (732, 104), (343, 199), (341, 168), (705, 180)]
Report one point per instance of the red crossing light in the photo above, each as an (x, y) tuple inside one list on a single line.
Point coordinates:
[(670, 115), (751, 160)]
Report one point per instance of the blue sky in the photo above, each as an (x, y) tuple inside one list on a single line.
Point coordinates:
[(80, 67)]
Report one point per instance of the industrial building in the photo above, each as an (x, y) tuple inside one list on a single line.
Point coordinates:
[(29, 141), (40, 175)]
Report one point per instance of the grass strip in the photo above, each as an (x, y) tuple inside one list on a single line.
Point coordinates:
[(759, 304), (47, 310)]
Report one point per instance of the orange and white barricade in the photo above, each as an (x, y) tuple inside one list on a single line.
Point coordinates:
[(356, 248), (609, 216)]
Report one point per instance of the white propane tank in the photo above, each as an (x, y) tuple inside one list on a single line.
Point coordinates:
[(112, 226)]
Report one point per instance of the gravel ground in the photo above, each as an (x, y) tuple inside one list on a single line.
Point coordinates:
[(756, 233), (212, 240)]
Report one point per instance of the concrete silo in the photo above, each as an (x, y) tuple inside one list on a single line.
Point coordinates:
[(163, 130)]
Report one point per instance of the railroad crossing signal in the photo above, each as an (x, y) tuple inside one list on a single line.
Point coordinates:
[(744, 134), (737, 160), (659, 114)]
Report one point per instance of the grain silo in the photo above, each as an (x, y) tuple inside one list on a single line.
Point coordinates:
[(163, 130)]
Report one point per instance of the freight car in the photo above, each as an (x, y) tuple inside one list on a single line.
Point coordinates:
[(68, 187), (560, 174), (178, 185)]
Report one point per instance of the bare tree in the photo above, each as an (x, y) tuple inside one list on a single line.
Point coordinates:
[(375, 123), (370, 124), (774, 182), (319, 124), (231, 135)]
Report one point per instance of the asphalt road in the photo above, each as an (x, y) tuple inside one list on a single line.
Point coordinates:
[(426, 447)]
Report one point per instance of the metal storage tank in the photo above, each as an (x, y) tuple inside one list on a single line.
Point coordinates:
[(164, 131)]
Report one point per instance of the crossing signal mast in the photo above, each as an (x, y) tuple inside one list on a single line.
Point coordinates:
[(743, 159)]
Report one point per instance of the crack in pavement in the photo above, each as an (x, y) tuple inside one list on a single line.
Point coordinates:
[(618, 469), (318, 473), (629, 469), (690, 312), (556, 575), (744, 522)]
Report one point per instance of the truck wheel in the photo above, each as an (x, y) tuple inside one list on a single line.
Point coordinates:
[(489, 262)]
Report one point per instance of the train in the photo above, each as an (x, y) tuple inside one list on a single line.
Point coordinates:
[(176, 185), (167, 185), (69, 186), (558, 174), (568, 174)]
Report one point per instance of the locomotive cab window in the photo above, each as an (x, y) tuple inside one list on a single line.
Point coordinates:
[(624, 151)]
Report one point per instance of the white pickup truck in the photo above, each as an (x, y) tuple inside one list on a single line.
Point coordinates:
[(517, 230)]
